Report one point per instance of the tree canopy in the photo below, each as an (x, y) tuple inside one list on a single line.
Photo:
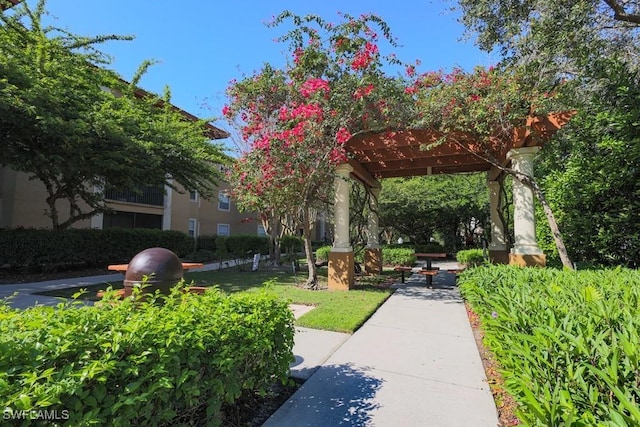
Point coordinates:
[(80, 129)]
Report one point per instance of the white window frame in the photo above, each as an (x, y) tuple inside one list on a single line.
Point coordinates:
[(261, 231), (193, 196), (223, 225), (192, 232), (228, 199)]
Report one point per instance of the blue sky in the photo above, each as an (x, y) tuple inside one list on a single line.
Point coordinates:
[(201, 45)]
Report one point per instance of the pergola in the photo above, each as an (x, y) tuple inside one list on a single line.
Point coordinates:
[(417, 152)]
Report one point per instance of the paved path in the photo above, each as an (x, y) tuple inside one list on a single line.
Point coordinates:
[(413, 363)]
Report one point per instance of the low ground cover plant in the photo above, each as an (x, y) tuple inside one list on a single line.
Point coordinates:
[(568, 341), (179, 361)]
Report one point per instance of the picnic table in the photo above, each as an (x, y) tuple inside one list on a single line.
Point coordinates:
[(122, 268), (429, 257)]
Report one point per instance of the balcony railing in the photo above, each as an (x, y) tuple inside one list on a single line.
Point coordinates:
[(144, 195)]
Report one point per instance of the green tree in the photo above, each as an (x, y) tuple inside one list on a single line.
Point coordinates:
[(593, 178), (421, 207), (80, 129)]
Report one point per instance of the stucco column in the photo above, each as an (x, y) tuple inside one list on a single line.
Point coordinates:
[(497, 247), (525, 250), (341, 262), (373, 254)]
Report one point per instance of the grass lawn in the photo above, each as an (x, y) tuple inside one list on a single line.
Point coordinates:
[(341, 311)]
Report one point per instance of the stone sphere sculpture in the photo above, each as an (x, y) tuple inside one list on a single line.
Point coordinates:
[(162, 267)]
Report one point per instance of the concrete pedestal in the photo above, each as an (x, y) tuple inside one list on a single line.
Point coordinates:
[(372, 261), (528, 260), (341, 271), (499, 257)]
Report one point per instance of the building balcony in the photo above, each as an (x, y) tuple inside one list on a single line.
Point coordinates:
[(153, 196)]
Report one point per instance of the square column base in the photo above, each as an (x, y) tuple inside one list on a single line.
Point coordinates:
[(341, 271), (527, 260), (373, 261), (499, 257)]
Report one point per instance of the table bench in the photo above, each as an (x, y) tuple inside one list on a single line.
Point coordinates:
[(122, 268), (428, 273), (430, 256), (402, 270)]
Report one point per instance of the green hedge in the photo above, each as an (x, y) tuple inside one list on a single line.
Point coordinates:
[(568, 342), (242, 246), (91, 247), (127, 363), (470, 257), (398, 256), (322, 254)]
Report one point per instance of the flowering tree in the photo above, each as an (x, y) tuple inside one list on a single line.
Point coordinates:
[(298, 119)]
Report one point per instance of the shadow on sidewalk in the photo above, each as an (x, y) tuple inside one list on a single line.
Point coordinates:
[(334, 395)]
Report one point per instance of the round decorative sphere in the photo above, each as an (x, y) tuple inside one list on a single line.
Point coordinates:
[(162, 267)]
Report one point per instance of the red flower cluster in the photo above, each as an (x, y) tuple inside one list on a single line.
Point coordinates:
[(361, 92), (364, 57), (343, 135), (312, 86)]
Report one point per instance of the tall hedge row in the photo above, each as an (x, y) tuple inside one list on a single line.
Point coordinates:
[(89, 247), (140, 363)]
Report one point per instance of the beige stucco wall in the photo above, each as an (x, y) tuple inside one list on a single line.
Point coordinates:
[(24, 202), (208, 215)]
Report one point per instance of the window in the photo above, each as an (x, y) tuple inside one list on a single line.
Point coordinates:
[(224, 202), (193, 196), (193, 227), (261, 230), (223, 229)]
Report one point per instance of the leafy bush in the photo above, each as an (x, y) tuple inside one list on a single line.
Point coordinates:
[(398, 256), (207, 242), (568, 341), (430, 248), (291, 244), (140, 363), (61, 248), (201, 255), (470, 257), (322, 254)]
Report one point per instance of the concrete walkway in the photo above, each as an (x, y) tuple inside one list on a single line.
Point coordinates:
[(413, 363)]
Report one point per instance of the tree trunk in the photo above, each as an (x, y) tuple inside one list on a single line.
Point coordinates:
[(312, 279)]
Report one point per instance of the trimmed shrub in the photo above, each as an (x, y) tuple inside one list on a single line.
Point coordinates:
[(51, 249), (207, 243), (140, 363), (291, 244), (470, 257), (244, 245), (398, 256), (430, 248), (322, 254)]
